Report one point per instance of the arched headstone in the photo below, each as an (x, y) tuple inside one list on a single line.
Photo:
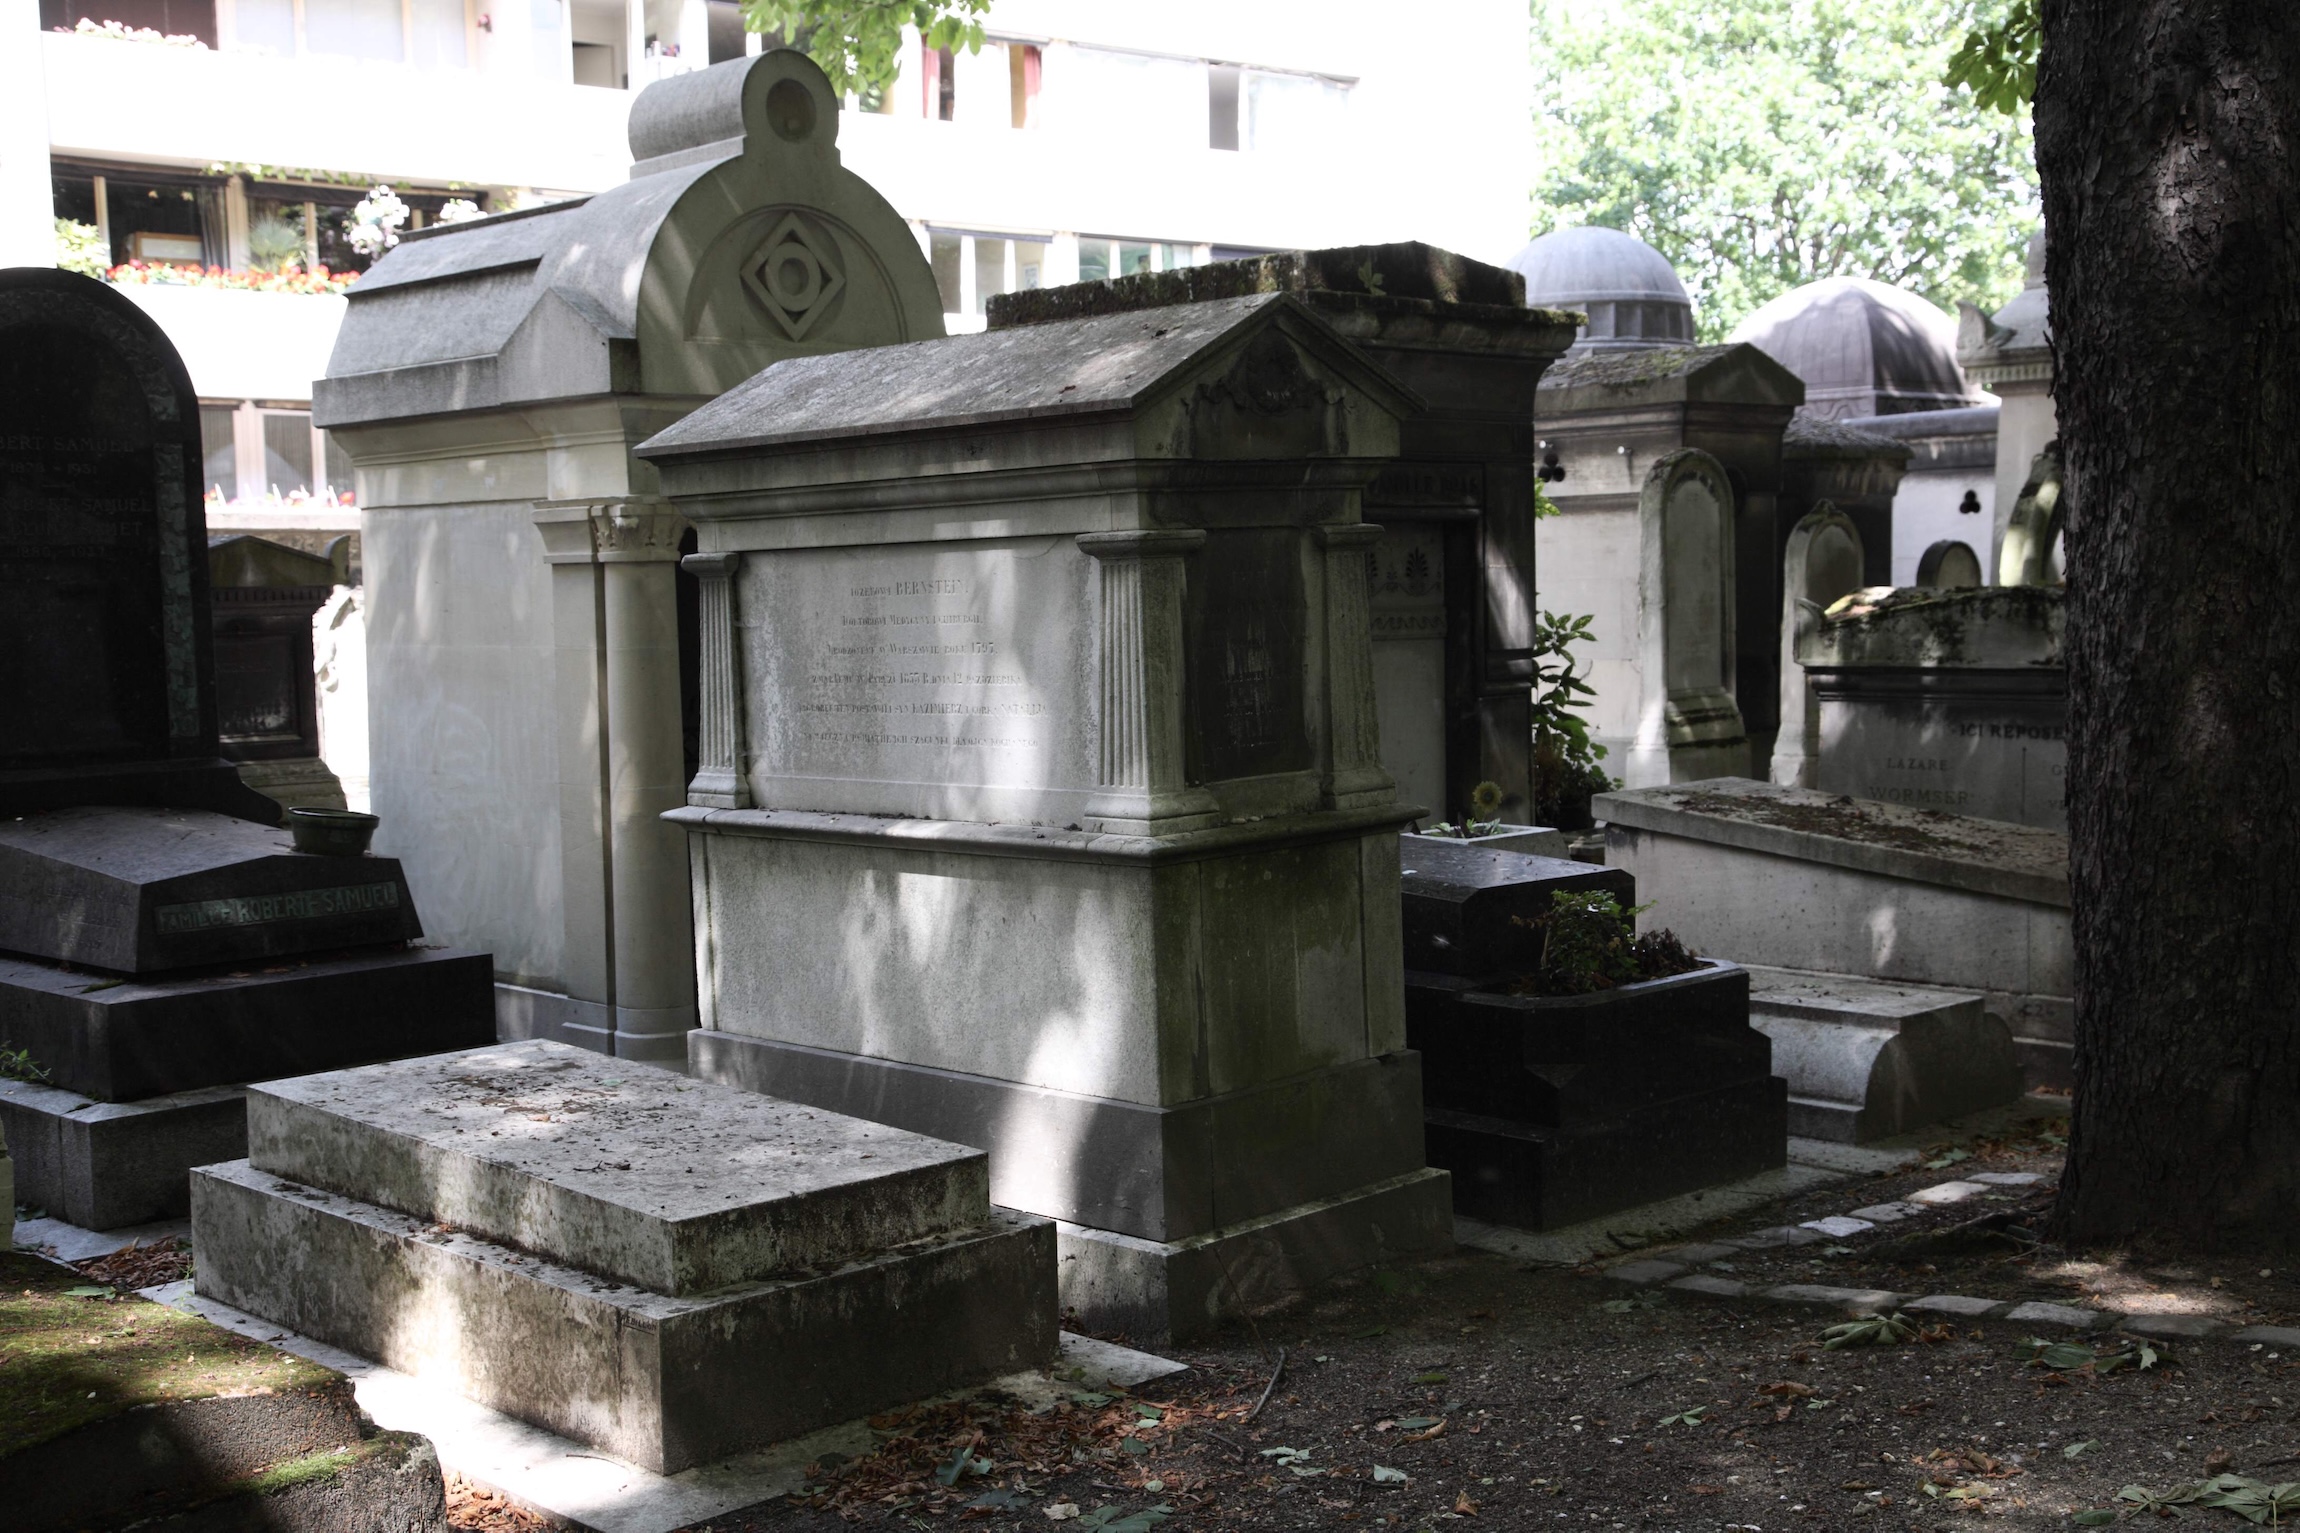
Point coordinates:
[(1688, 725), (107, 686), (2033, 531), (1821, 564), (1949, 565)]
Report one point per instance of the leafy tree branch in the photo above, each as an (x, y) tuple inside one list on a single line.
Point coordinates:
[(858, 42)]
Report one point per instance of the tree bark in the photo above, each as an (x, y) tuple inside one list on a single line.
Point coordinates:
[(2168, 139)]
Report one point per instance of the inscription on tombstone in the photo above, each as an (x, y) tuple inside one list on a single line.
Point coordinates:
[(1245, 613), (950, 667)]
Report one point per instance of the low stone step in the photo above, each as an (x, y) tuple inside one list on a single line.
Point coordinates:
[(1868, 1059), (665, 1381), (673, 1185)]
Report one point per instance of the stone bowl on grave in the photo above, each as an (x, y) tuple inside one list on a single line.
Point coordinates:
[(332, 832)]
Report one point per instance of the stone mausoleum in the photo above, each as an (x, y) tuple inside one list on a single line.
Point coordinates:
[(1041, 805), (527, 627)]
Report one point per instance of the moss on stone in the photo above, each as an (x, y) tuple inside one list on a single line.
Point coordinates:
[(69, 1361)]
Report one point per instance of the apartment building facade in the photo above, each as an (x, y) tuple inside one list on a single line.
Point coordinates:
[(1086, 139)]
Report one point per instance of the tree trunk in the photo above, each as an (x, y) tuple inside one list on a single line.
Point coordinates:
[(2168, 138)]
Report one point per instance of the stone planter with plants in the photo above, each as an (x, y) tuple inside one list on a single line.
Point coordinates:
[(1570, 1067)]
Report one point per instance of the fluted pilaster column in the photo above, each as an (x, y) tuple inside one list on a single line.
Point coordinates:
[(721, 781), (1355, 777), (1143, 787)]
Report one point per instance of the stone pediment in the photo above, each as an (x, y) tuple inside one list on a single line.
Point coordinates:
[(1736, 374), (738, 241), (1253, 377)]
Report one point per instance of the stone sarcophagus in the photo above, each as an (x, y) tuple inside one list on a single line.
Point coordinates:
[(1040, 804)]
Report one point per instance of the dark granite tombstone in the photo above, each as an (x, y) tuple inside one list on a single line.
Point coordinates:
[(264, 595), (159, 943), (1553, 1109), (106, 672)]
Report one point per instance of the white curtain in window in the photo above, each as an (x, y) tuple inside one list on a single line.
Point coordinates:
[(1126, 97), (363, 29), (439, 39), (1292, 114), (265, 24)]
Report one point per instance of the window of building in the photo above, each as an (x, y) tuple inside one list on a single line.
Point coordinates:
[(1291, 113), (169, 18), (972, 269), (938, 80), (1023, 67), (1101, 259), (219, 452), (255, 454), (1222, 106)]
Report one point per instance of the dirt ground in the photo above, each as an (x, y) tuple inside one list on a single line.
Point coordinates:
[(1474, 1389)]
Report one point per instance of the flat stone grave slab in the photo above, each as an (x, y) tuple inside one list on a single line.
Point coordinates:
[(135, 890), (673, 1185)]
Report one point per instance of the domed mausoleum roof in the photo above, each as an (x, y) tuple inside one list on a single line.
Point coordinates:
[(1627, 288), (1862, 348)]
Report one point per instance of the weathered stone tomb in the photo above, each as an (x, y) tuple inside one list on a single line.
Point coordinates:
[(669, 1270), (1041, 805)]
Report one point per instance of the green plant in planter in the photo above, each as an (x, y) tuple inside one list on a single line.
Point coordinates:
[(1484, 815), (1565, 770), (1589, 943)]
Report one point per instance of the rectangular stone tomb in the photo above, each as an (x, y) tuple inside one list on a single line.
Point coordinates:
[(1040, 796), (1863, 888), (1549, 1110), (1466, 907), (670, 1270), (135, 890)]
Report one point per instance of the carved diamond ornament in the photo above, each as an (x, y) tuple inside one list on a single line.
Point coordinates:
[(794, 275)]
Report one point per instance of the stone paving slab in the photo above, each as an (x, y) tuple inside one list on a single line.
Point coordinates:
[(577, 1486), (2281, 1336), (673, 1185), (2172, 1327), (1946, 1193), (1645, 1272), (1885, 1213), (1710, 1285), (1778, 1235), (1853, 1301), (2037, 1312), (1963, 1306), (1838, 1226)]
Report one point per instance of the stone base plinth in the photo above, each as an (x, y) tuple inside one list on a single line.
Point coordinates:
[(1867, 1061), (1514, 1173), (108, 1165), (1158, 1291), (664, 1381), (125, 1039)]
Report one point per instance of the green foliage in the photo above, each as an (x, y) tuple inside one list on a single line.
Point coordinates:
[(18, 1064), (1997, 60), (2258, 1503), (1565, 770), (80, 248), (1589, 943), (274, 242), (1772, 143), (857, 41), (1869, 1331)]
